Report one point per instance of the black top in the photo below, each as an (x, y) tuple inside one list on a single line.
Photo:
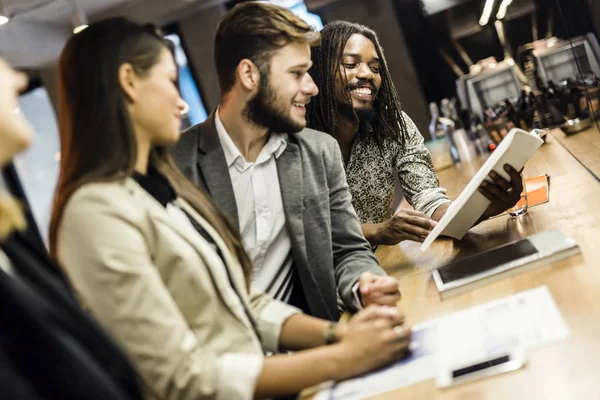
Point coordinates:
[(49, 347), (156, 185)]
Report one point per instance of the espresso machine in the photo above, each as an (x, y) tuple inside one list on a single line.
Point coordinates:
[(488, 84)]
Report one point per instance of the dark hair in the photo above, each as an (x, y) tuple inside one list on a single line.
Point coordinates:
[(97, 138), (254, 31), (323, 109)]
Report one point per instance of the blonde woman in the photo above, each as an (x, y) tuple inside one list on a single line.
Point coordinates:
[(49, 347)]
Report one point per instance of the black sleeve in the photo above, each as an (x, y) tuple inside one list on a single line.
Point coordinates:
[(14, 385)]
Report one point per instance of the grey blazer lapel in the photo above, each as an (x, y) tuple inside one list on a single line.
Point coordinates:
[(289, 171), (213, 168)]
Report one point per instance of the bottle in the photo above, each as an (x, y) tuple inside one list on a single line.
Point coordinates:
[(448, 125), (462, 141), (525, 111), (511, 115), (486, 142), (436, 129), (439, 146), (464, 145), (453, 114), (552, 105), (559, 94), (543, 111), (478, 133), (573, 100)]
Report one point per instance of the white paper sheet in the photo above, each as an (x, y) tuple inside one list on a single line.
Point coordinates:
[(524, 320)]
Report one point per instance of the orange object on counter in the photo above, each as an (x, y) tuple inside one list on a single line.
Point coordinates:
[(537, 191)]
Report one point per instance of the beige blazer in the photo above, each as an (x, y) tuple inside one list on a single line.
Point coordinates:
[(163, 292)]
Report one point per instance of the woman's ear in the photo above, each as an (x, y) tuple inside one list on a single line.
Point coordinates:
[(248, 74), (128, 81)]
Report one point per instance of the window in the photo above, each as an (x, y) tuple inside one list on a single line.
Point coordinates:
[(298, 7), (37, 168), (187, 85), (300, 10)]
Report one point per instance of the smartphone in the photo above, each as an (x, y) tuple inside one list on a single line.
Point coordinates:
[(489, 366)]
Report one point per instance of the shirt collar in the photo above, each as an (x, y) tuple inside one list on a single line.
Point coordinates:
[(275, 145)]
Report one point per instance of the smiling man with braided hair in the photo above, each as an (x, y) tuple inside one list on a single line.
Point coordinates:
[(359, 106)]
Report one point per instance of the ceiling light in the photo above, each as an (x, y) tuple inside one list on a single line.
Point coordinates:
[(3, 14), (78, 18), (503, 7), (79, 28), (487, 12)]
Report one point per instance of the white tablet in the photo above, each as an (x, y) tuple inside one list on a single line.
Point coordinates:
[(515, 149), (501, 262)]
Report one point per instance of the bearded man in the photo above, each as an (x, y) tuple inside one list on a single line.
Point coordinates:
[(283, 185)]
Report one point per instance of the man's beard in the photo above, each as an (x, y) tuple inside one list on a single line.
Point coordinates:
[(367, 117), (263, 110), (367, 120)]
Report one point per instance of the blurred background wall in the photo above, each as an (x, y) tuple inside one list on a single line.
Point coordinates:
[(412, 33)]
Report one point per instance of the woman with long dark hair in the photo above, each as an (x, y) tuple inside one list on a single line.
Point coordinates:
[(155, 260), (49, 347)]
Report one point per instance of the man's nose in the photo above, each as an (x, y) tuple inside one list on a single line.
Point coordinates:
[(309, 86), (364, 72)]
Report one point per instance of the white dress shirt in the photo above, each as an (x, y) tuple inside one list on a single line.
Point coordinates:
[(260, 211)]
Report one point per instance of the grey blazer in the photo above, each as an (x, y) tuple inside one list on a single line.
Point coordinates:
[(328, 246)]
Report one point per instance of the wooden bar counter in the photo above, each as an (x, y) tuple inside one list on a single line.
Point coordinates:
[(584, 145), (569, 369)]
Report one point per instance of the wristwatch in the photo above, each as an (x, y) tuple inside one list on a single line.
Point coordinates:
[(330, 333)]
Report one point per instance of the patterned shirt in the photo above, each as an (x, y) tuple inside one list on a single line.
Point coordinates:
[(370, 174)]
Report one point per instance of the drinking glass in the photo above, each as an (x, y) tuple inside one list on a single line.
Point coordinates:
[(521, 207)]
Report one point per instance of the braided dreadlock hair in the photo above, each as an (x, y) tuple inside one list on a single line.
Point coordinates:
[(323, 109)]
